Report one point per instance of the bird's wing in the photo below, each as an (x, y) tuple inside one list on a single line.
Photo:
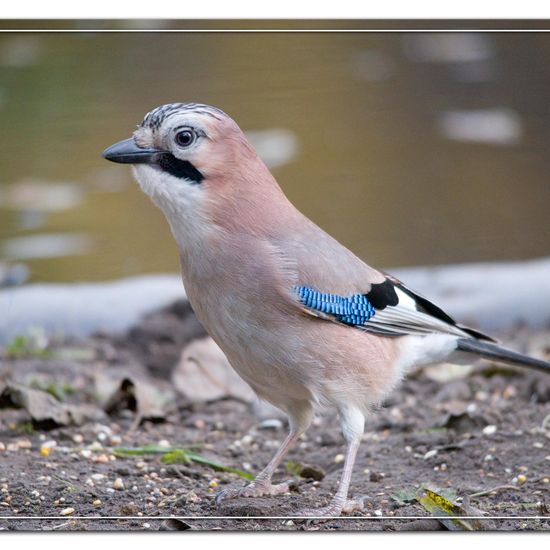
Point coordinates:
[(389, 308)]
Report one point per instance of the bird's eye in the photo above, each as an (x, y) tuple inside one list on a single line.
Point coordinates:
[(184, 138)]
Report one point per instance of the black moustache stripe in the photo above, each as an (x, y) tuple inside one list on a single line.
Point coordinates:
[(178, 168)]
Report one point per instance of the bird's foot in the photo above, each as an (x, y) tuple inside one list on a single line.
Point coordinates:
[(335, 508), (258, 488)]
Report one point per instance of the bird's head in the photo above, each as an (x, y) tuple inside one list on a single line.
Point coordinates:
[(196, 164), (180, 146)]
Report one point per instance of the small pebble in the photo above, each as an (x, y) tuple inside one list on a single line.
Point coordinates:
[(247, 439), (101, 459), (141, 465), (97, 503), (213, 484), (430, 454), (271, 424), (97, 477), (115, 440), (164, 443), (47, 447), (2, 446), (538, 445), (339, 458), (66, 512), (199, 424), (146, 525), (24, 444), (378, 512), (102, 428), (521, 479), (191, 496), (489, 430), (118, 484), (376, 476), (546, 480), (78, 438), (85, 453)]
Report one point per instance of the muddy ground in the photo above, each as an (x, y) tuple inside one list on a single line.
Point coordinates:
[(462, 437)]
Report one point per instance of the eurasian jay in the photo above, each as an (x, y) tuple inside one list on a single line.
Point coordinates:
[(300, 318)]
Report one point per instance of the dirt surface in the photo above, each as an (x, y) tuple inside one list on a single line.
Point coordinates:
[(462, 437)]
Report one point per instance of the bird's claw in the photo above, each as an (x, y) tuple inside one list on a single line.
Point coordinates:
[(254, 489), (335, 508)]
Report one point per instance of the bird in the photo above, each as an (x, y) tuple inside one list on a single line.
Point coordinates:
[(303, 320)]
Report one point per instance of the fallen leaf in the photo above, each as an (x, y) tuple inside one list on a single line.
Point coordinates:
[(173, 524), (44, 408), (138, 394), (451, 515), (179, 455), (204, 374)]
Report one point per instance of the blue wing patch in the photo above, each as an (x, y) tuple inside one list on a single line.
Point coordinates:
[(355, 310)]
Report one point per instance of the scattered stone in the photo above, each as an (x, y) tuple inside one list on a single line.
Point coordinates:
[(311, 471), (375, 477), (118, 484), (66, 511), (192, 497), (339, 458), (271, 424), (47, 447), (97, 503), (430, 454), (489, 430)]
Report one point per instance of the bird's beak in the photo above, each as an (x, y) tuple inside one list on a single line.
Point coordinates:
[(127, 152)]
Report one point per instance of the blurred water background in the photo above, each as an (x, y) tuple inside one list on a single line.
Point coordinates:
[(411, 149)]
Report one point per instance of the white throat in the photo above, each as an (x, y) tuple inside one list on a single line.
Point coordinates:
[(181, 201)]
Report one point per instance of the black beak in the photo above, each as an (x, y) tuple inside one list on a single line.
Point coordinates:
[(127, 152)]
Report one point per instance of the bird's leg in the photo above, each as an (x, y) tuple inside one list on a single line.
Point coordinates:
[(262, 483), (353, 422)]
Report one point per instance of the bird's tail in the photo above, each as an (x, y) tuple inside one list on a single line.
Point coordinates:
[(492, 351)]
